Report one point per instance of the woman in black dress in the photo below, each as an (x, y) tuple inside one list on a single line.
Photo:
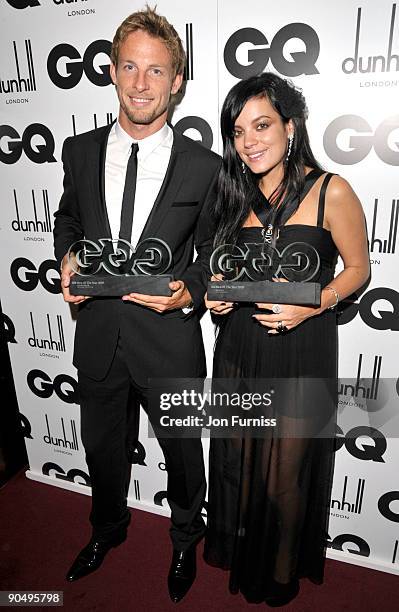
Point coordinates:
[(269, 495)]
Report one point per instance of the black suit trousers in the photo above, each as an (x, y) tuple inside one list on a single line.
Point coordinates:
[(105, 419)]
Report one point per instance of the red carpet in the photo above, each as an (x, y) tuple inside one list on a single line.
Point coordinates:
[(42, 528)]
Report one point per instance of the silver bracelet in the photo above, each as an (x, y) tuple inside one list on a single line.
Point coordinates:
[(335, 292)]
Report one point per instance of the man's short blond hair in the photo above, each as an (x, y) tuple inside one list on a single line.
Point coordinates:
[(155, 25)]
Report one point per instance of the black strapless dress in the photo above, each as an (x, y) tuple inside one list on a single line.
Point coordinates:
[(269, 497)]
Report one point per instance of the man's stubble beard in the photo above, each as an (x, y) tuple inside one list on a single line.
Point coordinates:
[(140, 118)]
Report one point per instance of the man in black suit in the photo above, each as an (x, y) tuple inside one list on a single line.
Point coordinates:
[(121, 343)]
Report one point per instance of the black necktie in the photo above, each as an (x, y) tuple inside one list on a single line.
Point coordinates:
[(129, 192)]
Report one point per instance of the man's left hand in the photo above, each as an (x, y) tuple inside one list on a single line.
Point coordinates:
[(180, 299)]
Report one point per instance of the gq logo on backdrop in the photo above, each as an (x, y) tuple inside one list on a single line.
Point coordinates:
[(70, 476), (27, 277), (363, 549), (358, 146), (365, 452), (384, 506), (64, 386), (39, 153), (199, 125), (381, 318), (26, 427), (8, 329), (71, 73), (137, 454), (257, 57), (22, 4)]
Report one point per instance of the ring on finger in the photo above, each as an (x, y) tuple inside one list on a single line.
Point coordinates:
[(281, 327), (276, 308)]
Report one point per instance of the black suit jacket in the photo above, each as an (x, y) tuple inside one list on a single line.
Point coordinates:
[(157, 345)]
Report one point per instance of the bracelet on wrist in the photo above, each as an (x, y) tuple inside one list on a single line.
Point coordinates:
[(336, 294)]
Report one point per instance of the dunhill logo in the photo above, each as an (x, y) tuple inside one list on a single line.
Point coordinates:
[(20, 84), (189, 68), (63, 442), (357, 390), (48, 343), (33, 225), (387, 245), (109, 120), (344, 505), (137, 489), (376, 63), (67, 1)]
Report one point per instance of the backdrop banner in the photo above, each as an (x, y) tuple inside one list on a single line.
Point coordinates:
[(54, 83)]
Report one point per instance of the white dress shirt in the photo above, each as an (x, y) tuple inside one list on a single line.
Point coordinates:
[(152, 162)]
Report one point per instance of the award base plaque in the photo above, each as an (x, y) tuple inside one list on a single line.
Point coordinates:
[(118, 285), (302, 294)]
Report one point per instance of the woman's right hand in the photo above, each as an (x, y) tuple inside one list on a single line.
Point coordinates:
[(218, 308)]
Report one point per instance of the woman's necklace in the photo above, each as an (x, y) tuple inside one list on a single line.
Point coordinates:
[(267, 233), (266, 211)]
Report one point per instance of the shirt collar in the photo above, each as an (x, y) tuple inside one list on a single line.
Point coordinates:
[(164, 136)]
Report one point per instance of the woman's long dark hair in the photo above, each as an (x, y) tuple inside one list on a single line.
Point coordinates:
[(236, 189)]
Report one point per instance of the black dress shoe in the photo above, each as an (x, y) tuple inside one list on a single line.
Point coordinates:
[(281, 593), (90, 558), (182, 573)]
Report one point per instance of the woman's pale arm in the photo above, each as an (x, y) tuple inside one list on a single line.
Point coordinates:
[(344, 217)]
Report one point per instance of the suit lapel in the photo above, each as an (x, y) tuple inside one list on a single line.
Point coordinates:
[(98, 175), (175, 174)]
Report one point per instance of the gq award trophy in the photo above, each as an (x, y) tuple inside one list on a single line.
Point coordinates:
[(111, 267), (244, 269)]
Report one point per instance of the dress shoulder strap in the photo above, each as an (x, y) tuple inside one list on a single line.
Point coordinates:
[(310, 180), (322, 199)]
